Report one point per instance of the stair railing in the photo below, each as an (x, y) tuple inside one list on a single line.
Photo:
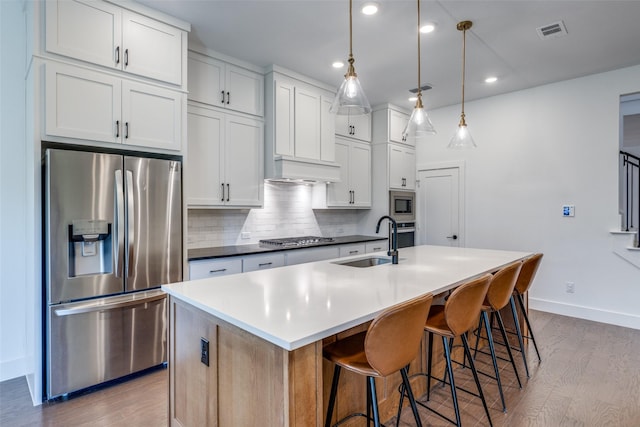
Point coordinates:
[(630, 171)]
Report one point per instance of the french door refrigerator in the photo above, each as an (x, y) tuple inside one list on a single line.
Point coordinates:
[(112, 236)]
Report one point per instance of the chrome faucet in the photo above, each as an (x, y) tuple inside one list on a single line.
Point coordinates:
[(393, 242)]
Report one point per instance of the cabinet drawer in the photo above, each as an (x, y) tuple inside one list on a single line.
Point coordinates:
[(349, 250), (300, 256), (201, 269), (262, 262), (380, 245)]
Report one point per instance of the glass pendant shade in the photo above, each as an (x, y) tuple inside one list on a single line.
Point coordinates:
[(419, 124), (350, 99), (462, 138)]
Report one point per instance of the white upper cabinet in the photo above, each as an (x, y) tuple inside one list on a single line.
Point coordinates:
[(389, 123), (354, 188), (300, 130), (224, 165), (402, 167), (221, 84), (358, 127), (107, 35), (89, 105)]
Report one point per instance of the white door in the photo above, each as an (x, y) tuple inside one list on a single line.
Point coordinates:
[(439, 207)]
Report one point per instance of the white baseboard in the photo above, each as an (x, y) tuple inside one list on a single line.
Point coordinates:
[(588, 313), (10, 369)]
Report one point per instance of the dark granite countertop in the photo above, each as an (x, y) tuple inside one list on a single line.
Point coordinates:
[(240, 250)]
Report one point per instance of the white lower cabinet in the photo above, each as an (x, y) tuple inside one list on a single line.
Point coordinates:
[(90, 105), (377, 246), (350, 250), (204, 268), (224, 159), (300, 256), (262, 262)]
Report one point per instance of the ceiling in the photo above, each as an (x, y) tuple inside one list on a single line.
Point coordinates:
[(306, 36)]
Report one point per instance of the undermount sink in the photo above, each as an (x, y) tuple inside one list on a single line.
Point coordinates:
[(365, 262)]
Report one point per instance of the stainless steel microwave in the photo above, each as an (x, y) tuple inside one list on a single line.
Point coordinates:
[(402, 205)]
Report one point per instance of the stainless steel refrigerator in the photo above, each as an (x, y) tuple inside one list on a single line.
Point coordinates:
[(112, 235)]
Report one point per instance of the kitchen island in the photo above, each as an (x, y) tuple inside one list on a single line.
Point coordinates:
[(247, 349)]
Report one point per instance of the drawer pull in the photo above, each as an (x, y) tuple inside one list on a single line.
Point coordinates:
[(377, 249), (353, 252), (217, 271), (264, 264)]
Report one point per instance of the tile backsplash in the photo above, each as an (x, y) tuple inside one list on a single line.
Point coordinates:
[(287, 213)]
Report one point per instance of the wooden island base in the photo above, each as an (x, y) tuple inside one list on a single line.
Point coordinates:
[(251, 382)]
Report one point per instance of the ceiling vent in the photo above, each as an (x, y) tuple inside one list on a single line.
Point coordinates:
[(424, 88), (552, 31)]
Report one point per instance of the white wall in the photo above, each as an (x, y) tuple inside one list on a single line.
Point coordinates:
[(537, 150), (13, 194)]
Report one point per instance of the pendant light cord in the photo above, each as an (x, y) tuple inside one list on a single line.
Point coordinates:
[(464, 50), (419, 85)]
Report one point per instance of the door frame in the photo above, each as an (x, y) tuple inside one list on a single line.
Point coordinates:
[(451, 164)]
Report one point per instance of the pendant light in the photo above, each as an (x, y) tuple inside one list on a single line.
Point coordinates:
[(350, 99), (462, 138), (419, 123)]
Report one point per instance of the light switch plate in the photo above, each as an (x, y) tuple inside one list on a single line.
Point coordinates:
[(568, 210)]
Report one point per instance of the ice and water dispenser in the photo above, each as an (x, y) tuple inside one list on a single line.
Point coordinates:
[(90, 247)]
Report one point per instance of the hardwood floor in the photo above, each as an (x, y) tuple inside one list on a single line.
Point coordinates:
[(589, 376)]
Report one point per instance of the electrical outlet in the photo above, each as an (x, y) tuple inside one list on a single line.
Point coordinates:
[(570, 287), (245, 235), (204, 351)]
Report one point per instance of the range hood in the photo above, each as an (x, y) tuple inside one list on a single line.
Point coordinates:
[(288, 168)]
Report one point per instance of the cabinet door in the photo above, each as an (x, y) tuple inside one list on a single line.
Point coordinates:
[(360, 174), (204, 149), (152, 116), (361, 127), (397, 122), (339, 193), (201, 269), (151, 48), (82, 104), (409, 166), (284, 118), (327, 130), (244, 90), (396, 167), (343, 127), (243, 161), (262, 262), (307, 124), (85, 30), (206, 80)]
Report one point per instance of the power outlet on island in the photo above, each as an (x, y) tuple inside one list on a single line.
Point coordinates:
[(570, 287)]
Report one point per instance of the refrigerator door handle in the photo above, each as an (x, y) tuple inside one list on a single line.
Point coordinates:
[(93, 307), (119, 228), (130, 223)]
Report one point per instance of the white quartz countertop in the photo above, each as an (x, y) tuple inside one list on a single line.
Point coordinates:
[(296, 305)]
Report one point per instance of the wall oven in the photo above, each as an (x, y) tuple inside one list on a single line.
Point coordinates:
[(402, 209)]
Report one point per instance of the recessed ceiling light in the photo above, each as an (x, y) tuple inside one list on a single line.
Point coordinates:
[(338, 64), (491, 79), (370, 8), (427, 28)]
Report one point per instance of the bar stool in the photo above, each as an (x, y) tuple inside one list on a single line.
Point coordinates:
[(389, 344), (524, 282), (454, 319), (498, 296)]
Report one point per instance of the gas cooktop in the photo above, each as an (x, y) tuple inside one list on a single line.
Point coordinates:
[(296, 241)]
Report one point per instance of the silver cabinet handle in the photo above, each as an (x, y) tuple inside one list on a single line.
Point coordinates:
[(264, 264), (119, 228), (217, 271)]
